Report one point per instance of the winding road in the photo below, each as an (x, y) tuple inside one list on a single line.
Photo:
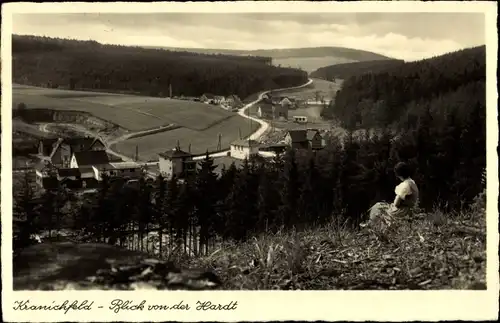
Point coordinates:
[(264, 126)]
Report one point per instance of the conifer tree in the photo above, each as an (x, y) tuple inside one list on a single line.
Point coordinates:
[(290, 190), (206, 199)]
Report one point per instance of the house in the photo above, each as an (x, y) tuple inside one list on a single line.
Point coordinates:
[(129, 170), (271, 111), (89, 158), (304, 139), (286, 102), (314, 139), (265, 111), (46, 177), (207, 98), (297, 139), (234, 101), (60, 150), (218, 99), (244, 148), (69, 177), (176, 162)]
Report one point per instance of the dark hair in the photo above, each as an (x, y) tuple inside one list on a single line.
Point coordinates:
[(403, 170)]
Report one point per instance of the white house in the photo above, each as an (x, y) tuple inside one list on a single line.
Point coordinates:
[(120, 169), (241, 149), (176, 162)]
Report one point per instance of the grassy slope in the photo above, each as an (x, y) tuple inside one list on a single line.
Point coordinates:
[(436, 252), (130, 112), (150, 146)]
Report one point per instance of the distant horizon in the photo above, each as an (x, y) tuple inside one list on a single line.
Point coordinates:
[(241, 49), (399, 35)]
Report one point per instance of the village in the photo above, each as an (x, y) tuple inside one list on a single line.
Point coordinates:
[(79, 163)]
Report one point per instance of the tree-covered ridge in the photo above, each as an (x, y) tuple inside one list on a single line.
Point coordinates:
[(346, 70), (347, 53), (73, 64), (449, 84)]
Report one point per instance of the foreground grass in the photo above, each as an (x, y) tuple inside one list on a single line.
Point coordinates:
[(434, 252)]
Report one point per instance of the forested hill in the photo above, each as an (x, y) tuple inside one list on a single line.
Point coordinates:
[(347, 53), (346, 70), (73, 64), (449, 85)]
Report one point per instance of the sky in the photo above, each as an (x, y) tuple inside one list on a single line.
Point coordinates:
[(408, 36)]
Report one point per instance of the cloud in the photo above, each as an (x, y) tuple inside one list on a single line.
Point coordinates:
[(401, 35)]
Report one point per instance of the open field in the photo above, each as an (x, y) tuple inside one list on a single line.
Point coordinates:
[(325, 88), (128, 111), (151, 145)]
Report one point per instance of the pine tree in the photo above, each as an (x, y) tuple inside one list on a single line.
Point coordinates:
[(25, 215), (290, 190), (307, 206), (159, 198), (241, 209), (171, 208), (206, 199)]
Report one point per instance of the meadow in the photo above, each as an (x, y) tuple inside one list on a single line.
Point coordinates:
[(200, 140), (131, 112), (326, 89)]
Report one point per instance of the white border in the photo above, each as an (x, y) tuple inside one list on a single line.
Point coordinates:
[(260, 306)]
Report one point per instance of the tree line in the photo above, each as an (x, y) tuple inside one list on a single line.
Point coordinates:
[(297, 189), (347, 70), (73, 64), (451, 84)]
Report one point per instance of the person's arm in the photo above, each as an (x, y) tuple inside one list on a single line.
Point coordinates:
[(402, 191)]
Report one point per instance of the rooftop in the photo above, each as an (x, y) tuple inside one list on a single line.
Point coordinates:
[(91, 157), (175, 153), (298, 135)]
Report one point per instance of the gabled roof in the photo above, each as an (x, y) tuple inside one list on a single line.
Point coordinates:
[(76, 144), (245, 143), (175, 153), (298, 135), (91, 157), (311, 133), (82, 143)]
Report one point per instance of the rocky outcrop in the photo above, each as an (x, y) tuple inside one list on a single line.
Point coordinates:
[(90, 266)]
